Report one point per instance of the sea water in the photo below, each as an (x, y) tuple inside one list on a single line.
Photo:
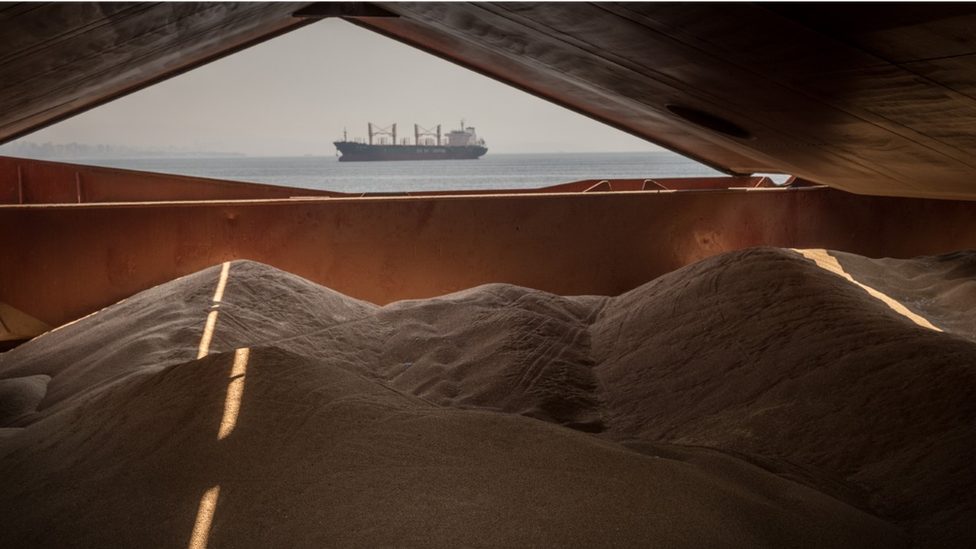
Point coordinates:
[(493, 171)]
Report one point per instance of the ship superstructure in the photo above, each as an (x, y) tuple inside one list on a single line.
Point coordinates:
[(382, 144)]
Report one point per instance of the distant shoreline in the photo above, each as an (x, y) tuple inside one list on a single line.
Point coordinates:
[(81, 151)]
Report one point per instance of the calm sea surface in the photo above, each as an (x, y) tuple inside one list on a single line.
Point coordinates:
[(493, 171)]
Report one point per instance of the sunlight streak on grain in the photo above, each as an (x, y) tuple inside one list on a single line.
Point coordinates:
[(235, 391), (201, 528), (827, 262), (208, 330), (222, 283)]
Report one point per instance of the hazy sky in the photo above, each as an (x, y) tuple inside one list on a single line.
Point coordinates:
[(294, 94)]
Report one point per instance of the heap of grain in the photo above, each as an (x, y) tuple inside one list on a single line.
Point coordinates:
[(754, 399)]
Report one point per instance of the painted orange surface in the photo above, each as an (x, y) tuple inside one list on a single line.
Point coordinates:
[(29, 181), (60, 262), (24, 181)]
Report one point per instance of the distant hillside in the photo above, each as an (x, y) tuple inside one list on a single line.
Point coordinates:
[(58, 151)]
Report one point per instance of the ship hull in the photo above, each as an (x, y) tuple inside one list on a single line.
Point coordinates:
[(359, 152)]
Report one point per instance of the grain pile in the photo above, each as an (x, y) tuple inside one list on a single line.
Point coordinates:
[(754, 399)]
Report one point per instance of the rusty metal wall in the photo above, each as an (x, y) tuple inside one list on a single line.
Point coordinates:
[(27, 181), (30, 181), (60, 262)]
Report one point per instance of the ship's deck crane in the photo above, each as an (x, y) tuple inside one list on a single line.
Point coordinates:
[(390, 130), (418, 131)]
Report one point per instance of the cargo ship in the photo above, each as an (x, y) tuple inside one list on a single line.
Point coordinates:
[(382, 144)]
